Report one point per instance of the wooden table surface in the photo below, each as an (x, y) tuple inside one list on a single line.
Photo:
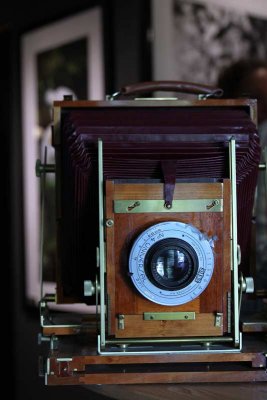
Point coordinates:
[(212, 391)]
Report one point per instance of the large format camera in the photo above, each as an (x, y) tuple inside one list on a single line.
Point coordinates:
[(154, 210)]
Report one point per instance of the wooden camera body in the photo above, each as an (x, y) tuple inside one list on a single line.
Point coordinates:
[(154, 208), (134, 297)]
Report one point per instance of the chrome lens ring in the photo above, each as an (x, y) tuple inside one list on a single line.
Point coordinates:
[(148, 250)]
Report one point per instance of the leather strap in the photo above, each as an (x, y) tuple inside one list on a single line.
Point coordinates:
[(169, 175)]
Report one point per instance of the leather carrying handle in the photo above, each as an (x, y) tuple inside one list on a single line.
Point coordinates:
[(169, 86)]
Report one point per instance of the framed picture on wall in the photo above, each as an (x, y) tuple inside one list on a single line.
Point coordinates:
[(62, 58), (195, 39)]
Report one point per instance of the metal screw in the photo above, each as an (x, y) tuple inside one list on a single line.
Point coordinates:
[(135, 204), (109, 223), (168, 205), (123, 346)]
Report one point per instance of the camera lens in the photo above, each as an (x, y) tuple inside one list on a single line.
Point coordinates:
[(171, 264)]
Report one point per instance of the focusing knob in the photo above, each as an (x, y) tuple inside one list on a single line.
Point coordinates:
[(249, 285), (89, 288), (246, 285)]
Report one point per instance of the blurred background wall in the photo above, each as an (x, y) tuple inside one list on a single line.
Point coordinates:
[(124, 29)]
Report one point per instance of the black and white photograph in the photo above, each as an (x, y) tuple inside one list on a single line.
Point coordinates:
[(201, 38)]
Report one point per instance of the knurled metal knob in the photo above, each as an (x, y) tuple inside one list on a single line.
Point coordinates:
[(249, 284), (89, 288)]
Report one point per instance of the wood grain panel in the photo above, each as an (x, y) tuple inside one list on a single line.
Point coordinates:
[(257, 360), (172, 377), (135, 326), (124, 298), (155, 191)]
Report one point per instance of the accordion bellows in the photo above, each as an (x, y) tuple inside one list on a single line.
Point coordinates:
[(136, 140)]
